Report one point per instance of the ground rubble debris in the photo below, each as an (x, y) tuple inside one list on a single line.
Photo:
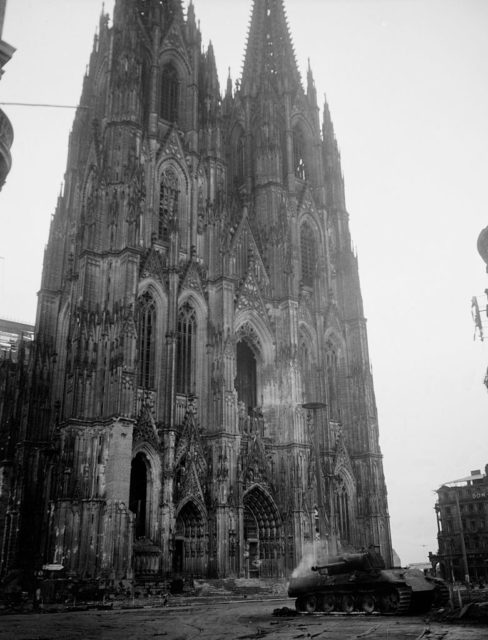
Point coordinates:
[(285, 612), (476, 612), (53, 596)]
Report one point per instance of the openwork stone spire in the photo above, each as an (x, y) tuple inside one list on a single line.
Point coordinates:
[(270, 49)]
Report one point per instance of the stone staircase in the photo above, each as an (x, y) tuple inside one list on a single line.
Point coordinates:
[(242, 587), (225, 589)]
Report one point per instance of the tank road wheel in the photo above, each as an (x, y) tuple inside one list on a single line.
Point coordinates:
[(389, 602), (441, 595), (367, 603), (347, 603), (395, 601), (311, 603), (300, 604), (328, 602)]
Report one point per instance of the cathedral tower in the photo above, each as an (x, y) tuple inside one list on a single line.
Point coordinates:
[(199, 288)]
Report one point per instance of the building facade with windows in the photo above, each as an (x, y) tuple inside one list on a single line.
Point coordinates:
[(462, 522), (16, 339), (199, 287), (13, 335)]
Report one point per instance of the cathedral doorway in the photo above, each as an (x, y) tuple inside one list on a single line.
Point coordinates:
[(263, 554), (246, 378), (138, 494), (146, 555), (189, 548), (251, 538)]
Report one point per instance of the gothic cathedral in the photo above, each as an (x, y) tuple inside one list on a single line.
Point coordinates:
[(200, 398)]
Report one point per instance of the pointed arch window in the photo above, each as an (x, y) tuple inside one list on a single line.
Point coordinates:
[(284, 154), (146, 341), (185, 350), (168, 203), (170, 90), (246, 378), (299, 153), (332, 380), (308, 255), (342, 513), (238, 155), (306, 369), (240, 159)]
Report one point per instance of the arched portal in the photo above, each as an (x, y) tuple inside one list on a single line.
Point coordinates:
[(138, 494), (190, 542), (246, 378), (143, 502), (263, 550)]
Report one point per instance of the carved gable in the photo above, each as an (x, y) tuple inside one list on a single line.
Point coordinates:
[(305, 200), (171, 147), (174, 41), (189, 485), (145, 429), (249, 296), (193, 278), (255, 468), (342, 460), (245, 251), (153, 266), (190, 460)]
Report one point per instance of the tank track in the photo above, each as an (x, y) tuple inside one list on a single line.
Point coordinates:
[(402, 607), (441, 594), (395, 601)]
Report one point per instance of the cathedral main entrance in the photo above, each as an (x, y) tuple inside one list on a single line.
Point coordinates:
[(147, 556), (190, 542), (263, 545), (138, 494)]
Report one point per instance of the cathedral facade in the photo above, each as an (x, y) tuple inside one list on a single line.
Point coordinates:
[(200, 399)]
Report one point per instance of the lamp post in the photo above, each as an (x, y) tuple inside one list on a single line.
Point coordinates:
[(313, 408)]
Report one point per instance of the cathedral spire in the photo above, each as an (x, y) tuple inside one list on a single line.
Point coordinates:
[(191, 21), (269, 51), (311, 90), (332, 161), (228, 91), (212, 88), (327, 125)]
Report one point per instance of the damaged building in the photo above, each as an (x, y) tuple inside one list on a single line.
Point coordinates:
[(199, 287)]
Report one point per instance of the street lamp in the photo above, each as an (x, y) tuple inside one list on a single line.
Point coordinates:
[(314, 408)]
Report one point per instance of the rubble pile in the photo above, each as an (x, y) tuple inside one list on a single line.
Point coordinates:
[(66, 594)]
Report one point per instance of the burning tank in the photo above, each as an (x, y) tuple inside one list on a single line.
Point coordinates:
[(360, 582)]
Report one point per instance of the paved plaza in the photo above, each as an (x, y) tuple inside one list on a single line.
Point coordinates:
[(245, 620)]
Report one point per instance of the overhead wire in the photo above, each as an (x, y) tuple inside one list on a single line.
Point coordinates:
[(41, 104)]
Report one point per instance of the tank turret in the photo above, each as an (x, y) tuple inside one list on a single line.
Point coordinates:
[(367, 561), (360, 582)]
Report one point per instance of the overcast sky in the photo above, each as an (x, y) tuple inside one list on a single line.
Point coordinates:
[(406, 82)]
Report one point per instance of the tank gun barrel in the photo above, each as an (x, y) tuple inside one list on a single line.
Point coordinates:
[(329, 566), (349, 562)]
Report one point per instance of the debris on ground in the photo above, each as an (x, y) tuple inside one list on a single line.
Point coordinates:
[(475, 612), (285, 612)]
